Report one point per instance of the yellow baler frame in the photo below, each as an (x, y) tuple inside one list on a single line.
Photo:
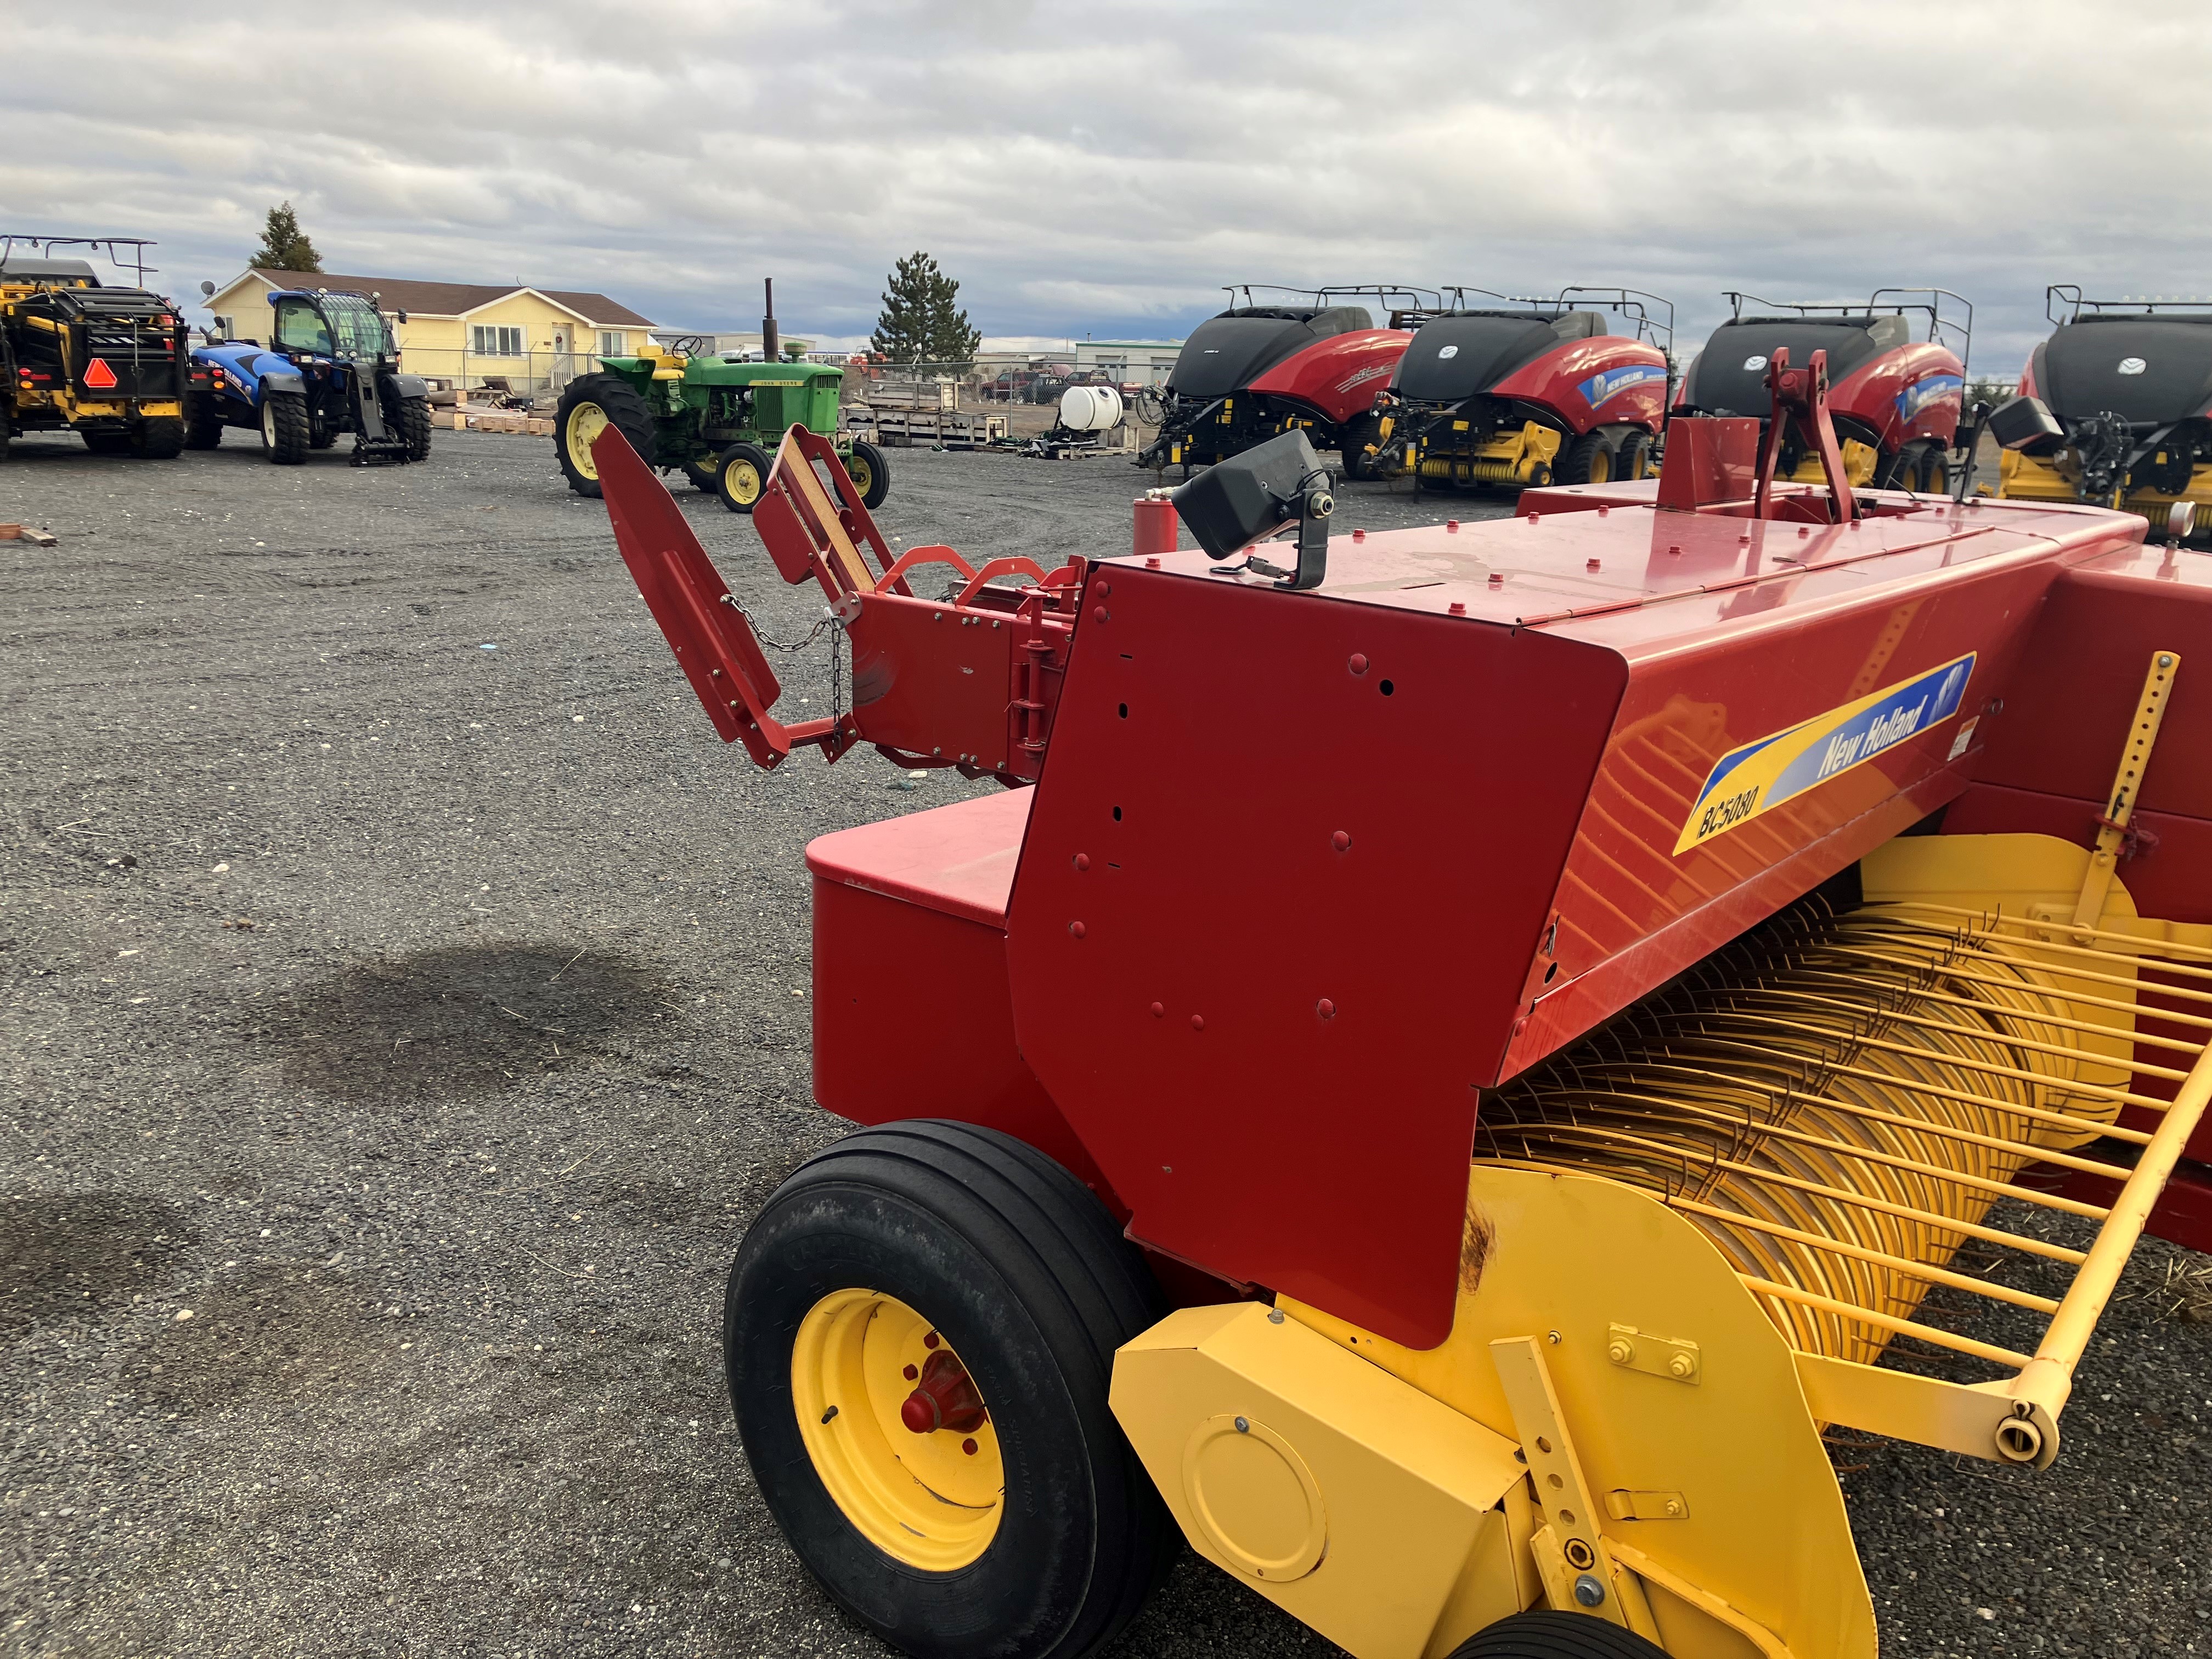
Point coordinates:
[(1697, 1392)]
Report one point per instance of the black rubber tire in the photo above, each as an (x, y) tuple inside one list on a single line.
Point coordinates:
[(1935, 474), (625, 411), (704, 470), (414, 428), (321, 433), (158, 438), (1556, 1636), (1631, 456), (877, 482), (1540, 479), (204, 421), (745, 454), (1361, 434), (284, 427), (1588, 459), (1034, 1287)]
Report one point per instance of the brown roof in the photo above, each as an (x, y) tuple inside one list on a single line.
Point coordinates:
[(452, 299)]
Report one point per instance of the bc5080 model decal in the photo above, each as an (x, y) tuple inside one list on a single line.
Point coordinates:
[(1760, 776)]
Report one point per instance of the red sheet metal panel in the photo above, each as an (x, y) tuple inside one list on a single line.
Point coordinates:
[(1288, 860), (1273, 926)]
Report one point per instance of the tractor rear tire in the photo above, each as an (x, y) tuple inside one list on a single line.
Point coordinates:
[(284, 427), (740, 475), (414, 428), (158, 438), (204, 421), (1551, 1635), (1935, 473), (321, 435), (869, 472), (704, 470), (592, 403), (1014, 1266), (1590, 459), (1631, 457)]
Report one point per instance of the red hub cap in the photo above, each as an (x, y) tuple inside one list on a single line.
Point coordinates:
[(944, 1398)]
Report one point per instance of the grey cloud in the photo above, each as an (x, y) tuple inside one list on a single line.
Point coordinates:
[(1106, 167)]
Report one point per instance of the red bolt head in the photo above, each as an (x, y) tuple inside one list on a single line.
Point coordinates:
[(1339, 841), (1602, 511), (919, 1414), (1804, 530), (1075, 930), (1456, 608), (1534, 517), (1674, 549), (1451, 526), (1198, 1022), (1151, 563), (932, 1340), (1098, 613), (1359, 535), (1496, 579), (1159, 1009), (1105, 590), (968, 1446), (1325, 1008), (1083, 860), (1358, 664), (1592, 564), (911, 1372)]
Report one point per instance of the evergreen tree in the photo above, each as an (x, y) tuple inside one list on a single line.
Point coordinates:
[(284, 246), (921, 321)]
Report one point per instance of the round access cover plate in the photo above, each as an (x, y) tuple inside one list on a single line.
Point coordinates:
[(1253, 1498)]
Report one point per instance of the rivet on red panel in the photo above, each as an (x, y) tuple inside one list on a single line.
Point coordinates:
[(1340, 841), (1496, 579), (1158, 1010), (1198, 1022), (1456, 608), (1075, 930), (1098, 613), (1359, 535), (1592, 564), (1083, 860), (1357, 665), (1325, 1008), (1452, 526)]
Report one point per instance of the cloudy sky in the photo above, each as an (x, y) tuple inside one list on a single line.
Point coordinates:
[(1104, 167)]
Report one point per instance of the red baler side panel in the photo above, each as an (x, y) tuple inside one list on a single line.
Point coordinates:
[(1610, 381), (2052, 755), (1916, 391), (913, 1018), (1340, 376), (1271, 1041)]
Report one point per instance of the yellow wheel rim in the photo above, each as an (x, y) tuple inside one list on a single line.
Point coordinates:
[(585, 422), (1602, 467), (923, 1499), (743, 480), (862, 474)]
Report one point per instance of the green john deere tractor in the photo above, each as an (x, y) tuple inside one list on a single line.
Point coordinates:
[(716, 420)]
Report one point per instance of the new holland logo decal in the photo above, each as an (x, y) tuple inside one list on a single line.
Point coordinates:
[(1602, 388), (1760, 776)]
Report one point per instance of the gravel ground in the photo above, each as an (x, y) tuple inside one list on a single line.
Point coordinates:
[(404, 1015)]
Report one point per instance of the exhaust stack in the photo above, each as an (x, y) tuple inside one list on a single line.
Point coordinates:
[(771, 345)]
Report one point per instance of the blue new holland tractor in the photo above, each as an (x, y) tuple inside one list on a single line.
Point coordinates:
[(330, 367)]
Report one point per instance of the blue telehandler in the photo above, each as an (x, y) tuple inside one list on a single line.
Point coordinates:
[(330, 367)]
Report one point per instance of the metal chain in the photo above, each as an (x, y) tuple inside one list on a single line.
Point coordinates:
[(828, 619)]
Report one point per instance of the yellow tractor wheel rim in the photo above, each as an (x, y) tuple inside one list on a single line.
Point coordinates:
[(923, 1499), (1600, 468), (743, 480), (585, 422), (862, 474)]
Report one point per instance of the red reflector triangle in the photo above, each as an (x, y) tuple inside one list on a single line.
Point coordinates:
[(97, 372)]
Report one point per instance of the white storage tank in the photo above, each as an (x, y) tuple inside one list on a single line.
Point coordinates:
[(1089, 409)]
